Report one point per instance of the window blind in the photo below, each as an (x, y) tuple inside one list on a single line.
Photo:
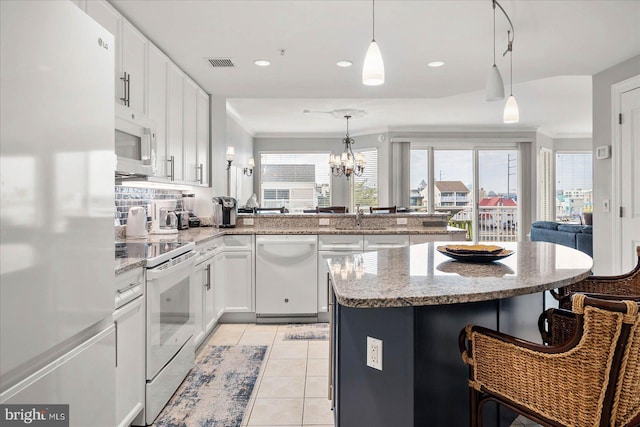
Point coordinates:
[(365, 187), (297, 181), (574, 185)]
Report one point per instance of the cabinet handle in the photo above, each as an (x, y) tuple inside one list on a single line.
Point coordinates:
[(116, 325), (172, 161), (200, 169), (125, 81)]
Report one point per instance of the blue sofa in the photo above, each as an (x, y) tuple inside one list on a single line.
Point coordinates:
[(579, 237)]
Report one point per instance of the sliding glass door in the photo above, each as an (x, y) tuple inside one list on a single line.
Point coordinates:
[(476, 187), (498, 195)]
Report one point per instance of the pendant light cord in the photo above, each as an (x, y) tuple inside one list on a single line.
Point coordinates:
[(494, 32), (510, 66), (373, 24)]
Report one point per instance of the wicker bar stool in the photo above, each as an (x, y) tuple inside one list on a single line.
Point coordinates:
[(623, 285), (591, 380)]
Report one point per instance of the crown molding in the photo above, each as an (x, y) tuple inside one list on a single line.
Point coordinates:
[(231, 112)]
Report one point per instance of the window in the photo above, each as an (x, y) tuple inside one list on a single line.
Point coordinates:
[(574, 188), (296, 181), (365, 187)]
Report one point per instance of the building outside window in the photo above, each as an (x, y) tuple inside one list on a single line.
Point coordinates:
[(574, 186), (295, 181)]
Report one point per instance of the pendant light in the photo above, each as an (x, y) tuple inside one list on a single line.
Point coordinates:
[(373, 69), (495, 86), (511, 113)]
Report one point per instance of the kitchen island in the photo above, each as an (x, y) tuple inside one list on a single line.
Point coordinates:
[(416, 300)]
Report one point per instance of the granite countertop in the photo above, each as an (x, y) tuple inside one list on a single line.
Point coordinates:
[(420, 275), (201, 235)]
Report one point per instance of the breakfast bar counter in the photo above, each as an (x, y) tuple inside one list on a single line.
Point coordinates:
[(416, 300)]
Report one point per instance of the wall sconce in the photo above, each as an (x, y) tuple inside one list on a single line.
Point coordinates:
[(249, 171), (231, 153)]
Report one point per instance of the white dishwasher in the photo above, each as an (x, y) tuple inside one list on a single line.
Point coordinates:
[(286, 278)]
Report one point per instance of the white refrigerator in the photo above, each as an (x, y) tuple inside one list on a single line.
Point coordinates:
[(57, 338)]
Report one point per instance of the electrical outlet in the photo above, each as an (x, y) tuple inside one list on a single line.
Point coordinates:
[(324, 221), (374, 353), (401, 221), (247, 221), (605, 206)]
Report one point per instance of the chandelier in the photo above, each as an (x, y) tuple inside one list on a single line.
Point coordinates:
[(347, 163)]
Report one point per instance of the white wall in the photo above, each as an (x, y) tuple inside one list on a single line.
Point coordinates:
[(603, 173), (339, 186), (218, 146), (242, 141)]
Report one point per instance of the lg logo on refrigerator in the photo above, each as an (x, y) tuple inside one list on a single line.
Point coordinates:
[(103, 44)]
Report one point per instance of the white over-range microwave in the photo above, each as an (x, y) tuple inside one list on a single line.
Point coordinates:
[(135, 144)]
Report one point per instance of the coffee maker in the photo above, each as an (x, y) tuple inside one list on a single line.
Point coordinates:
[(163, 217), (225, 211)]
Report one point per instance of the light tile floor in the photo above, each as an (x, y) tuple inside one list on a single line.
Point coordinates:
[(291, 389)]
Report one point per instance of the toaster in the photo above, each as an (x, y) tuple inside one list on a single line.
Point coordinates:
[(183, 220)]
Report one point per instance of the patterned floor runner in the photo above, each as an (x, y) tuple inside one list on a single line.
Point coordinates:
[(216, 392), (307, 331)]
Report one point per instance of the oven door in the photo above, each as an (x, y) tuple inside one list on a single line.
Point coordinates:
[(169, 313)]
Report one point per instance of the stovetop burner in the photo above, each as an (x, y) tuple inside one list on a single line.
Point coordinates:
[(154, 252)]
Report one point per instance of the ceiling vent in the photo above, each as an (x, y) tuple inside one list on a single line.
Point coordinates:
[(221, 62)]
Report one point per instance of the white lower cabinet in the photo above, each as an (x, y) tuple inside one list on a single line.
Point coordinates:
[(206, 296), (215, 301), (129, 322), (238, 274), (330, 246)]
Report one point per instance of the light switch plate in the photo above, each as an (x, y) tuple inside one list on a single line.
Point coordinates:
[(247, 221), (374, 353), (401, 221), (324, 221)]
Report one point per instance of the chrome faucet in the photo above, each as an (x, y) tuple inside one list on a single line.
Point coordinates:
[(359, 213)]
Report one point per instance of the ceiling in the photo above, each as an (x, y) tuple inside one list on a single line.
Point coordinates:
[(558, 46)]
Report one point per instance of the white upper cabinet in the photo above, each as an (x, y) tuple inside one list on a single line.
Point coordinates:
[(190, 104), (175, 118), (147, 82), (130, 55), (133, 73), (157, 80), (202, 138)]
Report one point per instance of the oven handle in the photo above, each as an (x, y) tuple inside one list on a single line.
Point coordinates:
[(186, 263)]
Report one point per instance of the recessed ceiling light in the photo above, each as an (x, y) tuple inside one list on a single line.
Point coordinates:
[(262, 62), (435, 64), (344, 63)]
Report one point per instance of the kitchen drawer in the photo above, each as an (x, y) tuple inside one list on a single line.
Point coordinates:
[(128, 286), (238, 242), (374, 242), (208, 249), (340, 242), (416, 239)]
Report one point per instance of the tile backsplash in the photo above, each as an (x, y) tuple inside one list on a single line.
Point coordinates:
[(126, 197)]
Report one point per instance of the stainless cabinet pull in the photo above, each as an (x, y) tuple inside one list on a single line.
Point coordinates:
[(200, 169), (126, 87), (116, 325), (172, 161)]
